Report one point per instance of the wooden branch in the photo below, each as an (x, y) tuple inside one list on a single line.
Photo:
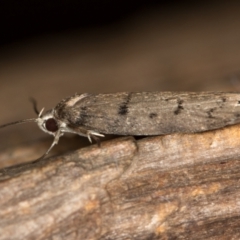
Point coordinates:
[(181, 186)]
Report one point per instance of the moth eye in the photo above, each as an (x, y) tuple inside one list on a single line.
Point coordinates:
[(51, 125)]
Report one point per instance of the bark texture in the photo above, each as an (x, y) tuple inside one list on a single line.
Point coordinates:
[(180, 186)]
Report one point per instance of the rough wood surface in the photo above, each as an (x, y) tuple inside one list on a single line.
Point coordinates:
[(167, 187)]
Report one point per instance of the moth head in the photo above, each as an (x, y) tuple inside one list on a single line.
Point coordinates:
[(47, 122)]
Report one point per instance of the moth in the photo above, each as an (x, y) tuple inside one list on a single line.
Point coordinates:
[(140, 113)]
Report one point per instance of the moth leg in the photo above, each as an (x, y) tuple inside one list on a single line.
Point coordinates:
[(55, 142), (87, 133), (97, 140), (94, 135)]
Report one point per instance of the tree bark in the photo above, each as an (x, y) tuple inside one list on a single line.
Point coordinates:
[(180, 186)]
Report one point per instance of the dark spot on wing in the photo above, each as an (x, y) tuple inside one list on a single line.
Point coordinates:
[(210, 112), (153, 115), (221, 102), (82, 120), (238, 102), (180, 102), (62, 109), (123, 108), (179, 107), (84, 108), (83, 117), (237, 115)]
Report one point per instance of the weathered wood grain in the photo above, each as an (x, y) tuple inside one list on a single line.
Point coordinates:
[(180, 186)]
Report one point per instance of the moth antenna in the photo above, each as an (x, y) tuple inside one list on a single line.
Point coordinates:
[(26, 120), (34, 102), (19, 122)]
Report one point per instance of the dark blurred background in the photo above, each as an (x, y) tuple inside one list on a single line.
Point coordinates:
[(52, 49)]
